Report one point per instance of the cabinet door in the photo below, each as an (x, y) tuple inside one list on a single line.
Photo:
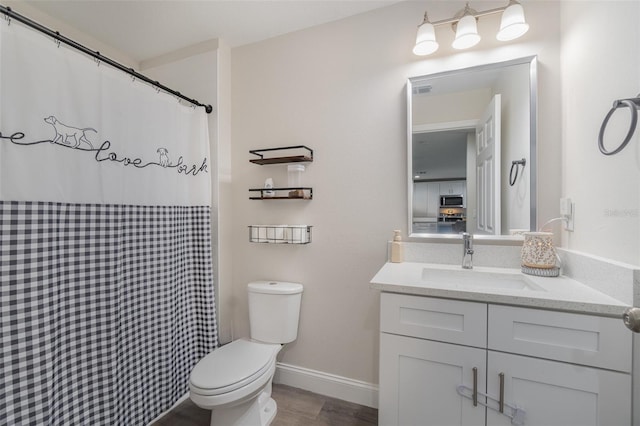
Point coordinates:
[(453, 187), (433, 199), (418, 380), (554, 393), (420, 199), (458, 187), (446, 188)]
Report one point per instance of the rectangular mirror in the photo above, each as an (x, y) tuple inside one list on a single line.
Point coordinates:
[(472, 151)]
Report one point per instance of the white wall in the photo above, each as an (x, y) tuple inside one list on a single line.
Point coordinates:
[(445, 108), (340, 89), (514, 90), (471, 185), (601, 63)]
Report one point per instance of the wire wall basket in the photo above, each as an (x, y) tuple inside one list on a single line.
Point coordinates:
[(280, 234)]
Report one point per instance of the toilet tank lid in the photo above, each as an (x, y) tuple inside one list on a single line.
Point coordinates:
[(274, 287)]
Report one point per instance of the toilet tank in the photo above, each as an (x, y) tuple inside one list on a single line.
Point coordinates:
[(274, 310)]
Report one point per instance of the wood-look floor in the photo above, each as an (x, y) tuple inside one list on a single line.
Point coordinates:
[(295, 407)]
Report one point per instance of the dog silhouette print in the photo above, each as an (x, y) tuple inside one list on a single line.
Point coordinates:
[(164, 158), (68, 135)]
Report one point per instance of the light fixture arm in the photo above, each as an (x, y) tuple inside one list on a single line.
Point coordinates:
[(475, 14), (425, 20)]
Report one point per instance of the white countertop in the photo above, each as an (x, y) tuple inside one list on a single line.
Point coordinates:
[(561, 293), (426, 219)]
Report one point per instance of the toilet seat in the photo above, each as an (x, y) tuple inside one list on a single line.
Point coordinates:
[(232, 367)]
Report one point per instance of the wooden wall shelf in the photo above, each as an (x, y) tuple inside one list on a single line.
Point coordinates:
[(295, 155), (301, 193)]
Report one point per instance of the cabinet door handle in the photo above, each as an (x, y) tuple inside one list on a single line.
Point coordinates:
[(631, 318), (501, 400), (475, 386)]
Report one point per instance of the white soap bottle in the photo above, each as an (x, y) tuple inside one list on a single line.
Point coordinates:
[(268, 185), (396, 247)]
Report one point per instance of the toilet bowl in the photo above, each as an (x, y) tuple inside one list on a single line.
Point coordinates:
[(234, 381)]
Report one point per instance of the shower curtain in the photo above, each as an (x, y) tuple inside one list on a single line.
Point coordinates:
[(106, 294)]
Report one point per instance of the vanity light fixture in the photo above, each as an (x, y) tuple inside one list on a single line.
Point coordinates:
[(464, 23), (426, 42), (467, 30)]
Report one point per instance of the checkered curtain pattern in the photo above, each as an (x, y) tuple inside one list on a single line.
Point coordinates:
[(105, 310)]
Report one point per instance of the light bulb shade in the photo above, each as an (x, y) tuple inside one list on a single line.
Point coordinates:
[(466, 33), (426, 42), (512, 24)]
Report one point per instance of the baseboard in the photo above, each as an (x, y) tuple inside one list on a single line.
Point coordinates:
[(343, 388)]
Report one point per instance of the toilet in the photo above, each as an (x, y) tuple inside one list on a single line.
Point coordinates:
[(234, 381)]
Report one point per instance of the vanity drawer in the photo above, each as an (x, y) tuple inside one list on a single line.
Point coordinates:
[(575, 338), (450, 321)]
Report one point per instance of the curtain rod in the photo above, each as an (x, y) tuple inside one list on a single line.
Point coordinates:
[(95, 54)]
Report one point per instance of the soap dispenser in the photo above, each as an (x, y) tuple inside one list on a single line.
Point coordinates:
[(396, 247)]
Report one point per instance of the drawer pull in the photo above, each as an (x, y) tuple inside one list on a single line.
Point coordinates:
[(501, 399), (475, 386), (515, 413)]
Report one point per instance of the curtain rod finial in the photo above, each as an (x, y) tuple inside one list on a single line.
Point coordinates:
[(208, 109)]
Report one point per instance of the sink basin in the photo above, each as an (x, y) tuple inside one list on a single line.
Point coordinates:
[(478, 278)]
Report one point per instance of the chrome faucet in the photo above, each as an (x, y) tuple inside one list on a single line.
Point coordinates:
[(467, 250)]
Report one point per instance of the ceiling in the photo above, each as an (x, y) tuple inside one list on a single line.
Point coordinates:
[(145, 29), (438, 151)]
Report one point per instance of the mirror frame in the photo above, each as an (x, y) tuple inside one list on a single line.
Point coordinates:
[(533, 134)]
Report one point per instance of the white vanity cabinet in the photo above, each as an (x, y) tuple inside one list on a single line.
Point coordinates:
[(559, 368)]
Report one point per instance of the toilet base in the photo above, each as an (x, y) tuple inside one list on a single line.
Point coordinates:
[(258, 411)]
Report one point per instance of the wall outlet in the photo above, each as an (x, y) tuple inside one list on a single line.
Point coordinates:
[(567, 211)]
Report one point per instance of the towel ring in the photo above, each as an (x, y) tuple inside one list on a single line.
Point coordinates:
[(633, 104), (516, 164)]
